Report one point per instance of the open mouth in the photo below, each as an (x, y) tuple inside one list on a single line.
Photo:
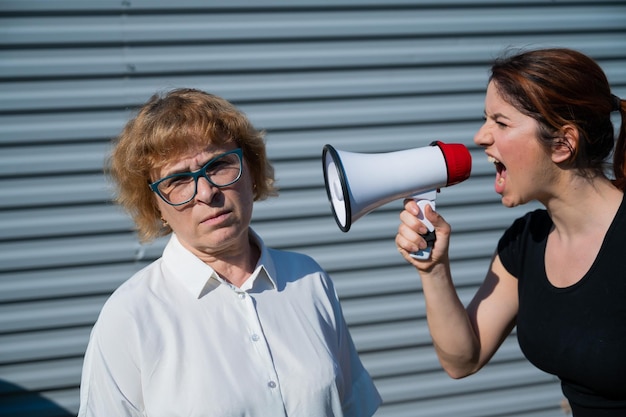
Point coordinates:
[(499, 165), (501, 173)]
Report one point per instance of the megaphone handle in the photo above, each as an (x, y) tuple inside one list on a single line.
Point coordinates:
[(430, 237)]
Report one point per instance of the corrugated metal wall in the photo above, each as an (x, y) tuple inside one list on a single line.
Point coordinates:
[(362, 75)]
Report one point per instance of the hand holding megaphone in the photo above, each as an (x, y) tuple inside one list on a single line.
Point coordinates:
[(357, 183)]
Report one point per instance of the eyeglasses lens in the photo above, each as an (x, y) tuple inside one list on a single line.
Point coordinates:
[(181, 188)]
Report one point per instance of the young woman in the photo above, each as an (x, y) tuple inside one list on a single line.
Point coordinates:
[(559, 273)]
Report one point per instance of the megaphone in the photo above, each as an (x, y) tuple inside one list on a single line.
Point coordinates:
[(357, 183)]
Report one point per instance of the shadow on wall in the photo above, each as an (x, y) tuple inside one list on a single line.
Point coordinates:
[(16, 401)]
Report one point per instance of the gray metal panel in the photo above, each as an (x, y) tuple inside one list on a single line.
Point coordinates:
[(141, 60), (362, 75), (270, 26), (363, 82)]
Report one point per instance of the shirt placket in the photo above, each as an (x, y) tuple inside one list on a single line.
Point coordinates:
[(258, 342)]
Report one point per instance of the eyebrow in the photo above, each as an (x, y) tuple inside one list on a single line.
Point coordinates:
[(203, 164), (495, 115), (176, 171)]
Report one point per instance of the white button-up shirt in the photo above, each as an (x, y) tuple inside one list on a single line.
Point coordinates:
[(177, 340)]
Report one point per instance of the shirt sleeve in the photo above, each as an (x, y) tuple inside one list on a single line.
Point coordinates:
[(360, 396), (111, 378), (526, 234)]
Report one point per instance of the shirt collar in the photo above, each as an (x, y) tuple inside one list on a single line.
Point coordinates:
[(200, 279)]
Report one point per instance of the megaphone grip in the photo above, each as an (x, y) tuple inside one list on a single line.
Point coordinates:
[(430, 237)]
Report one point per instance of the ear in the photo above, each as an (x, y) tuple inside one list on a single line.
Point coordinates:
[(566, 147)]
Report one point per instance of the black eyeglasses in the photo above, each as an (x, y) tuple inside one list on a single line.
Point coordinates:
[(180, 188)]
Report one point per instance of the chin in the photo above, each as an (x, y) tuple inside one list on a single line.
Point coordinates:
[(507, 202)]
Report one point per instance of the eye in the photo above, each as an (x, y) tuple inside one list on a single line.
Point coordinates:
[(224, 163), (219, 164), (501, 123)]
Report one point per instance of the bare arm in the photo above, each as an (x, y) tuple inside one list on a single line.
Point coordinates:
[(465, 339)]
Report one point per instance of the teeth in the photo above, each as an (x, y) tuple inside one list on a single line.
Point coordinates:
[(492, 160)]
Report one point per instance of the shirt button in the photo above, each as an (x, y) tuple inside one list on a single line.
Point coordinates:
[(255, 337), (241, 295), (271, 384)]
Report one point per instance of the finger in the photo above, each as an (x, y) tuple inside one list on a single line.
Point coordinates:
[(409, 239), (412, 221), (410, 205), (405, 246)]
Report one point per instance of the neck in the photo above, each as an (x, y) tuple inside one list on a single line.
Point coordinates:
[(587, 206), (236, 268)]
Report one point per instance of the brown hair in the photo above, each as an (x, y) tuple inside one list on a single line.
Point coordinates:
[(558, 87), (166, 127)]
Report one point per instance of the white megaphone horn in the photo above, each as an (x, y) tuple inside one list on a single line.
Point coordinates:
[(357, 183)]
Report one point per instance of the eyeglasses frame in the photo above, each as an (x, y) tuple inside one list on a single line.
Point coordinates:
[(197, 174)]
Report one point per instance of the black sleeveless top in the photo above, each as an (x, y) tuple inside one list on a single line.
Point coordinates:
[(577, 333)]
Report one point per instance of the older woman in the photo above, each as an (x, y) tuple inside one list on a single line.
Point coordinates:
[(220, 325)]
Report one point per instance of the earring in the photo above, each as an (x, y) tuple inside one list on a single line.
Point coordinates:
[(165, 223)]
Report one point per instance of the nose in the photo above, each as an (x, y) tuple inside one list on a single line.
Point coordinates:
[(482, 136), (205, 191)]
